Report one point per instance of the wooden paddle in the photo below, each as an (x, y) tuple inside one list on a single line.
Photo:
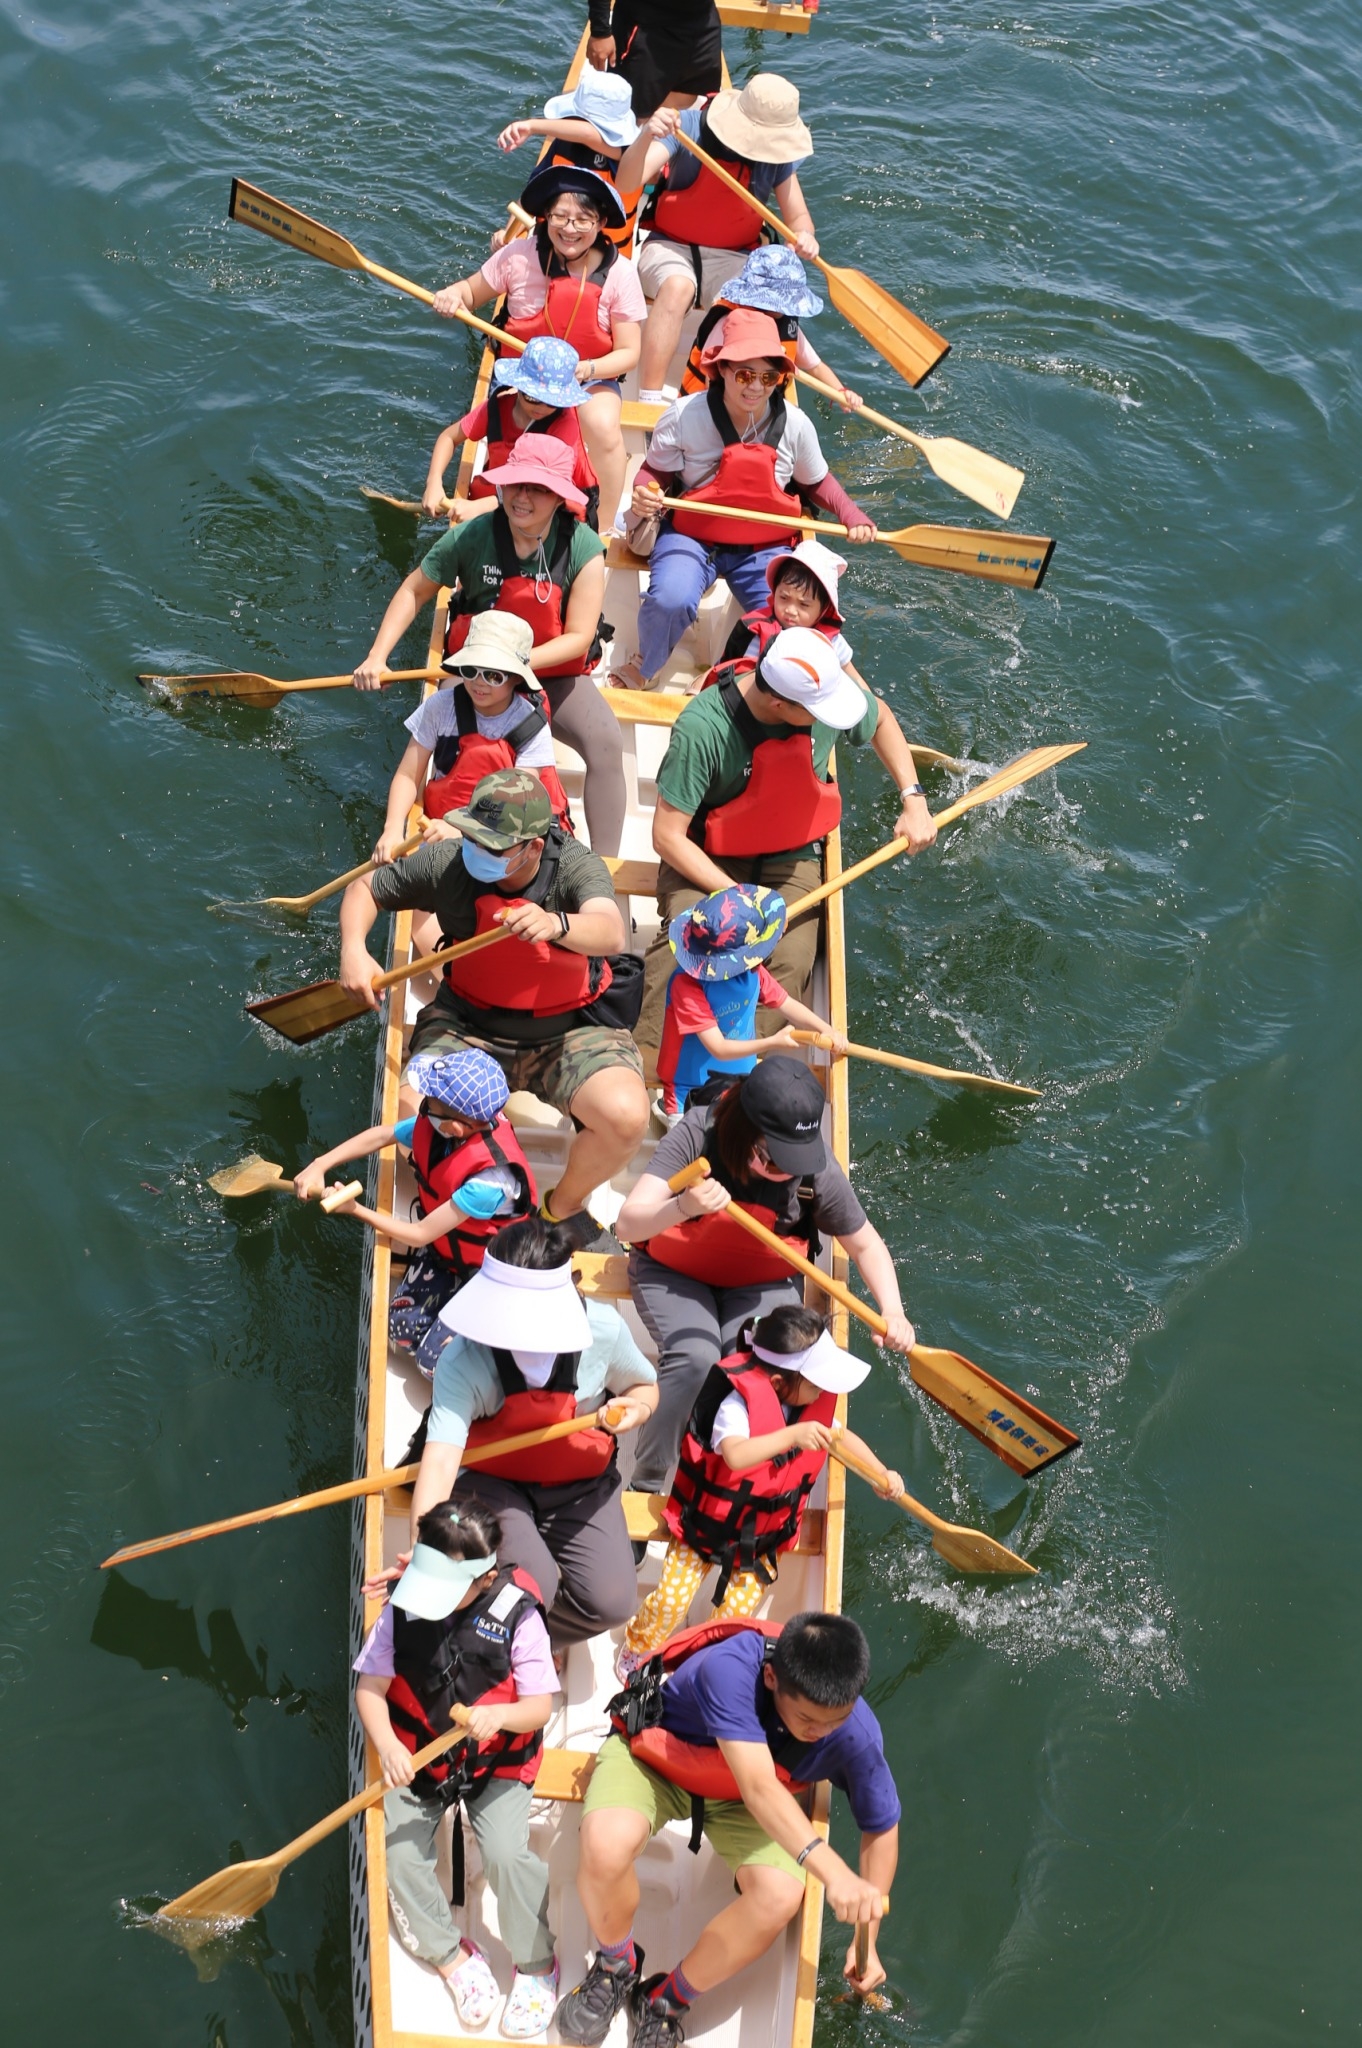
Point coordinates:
[(990, 483), (1018, 559), (897, 1059), (308, 1013), (969, 1550), (252, 208), (264, 692), (354, 1489), (907, 343), (243, 1888), (876, 2000), (1022, 1435), (301, 905), (254, 1175), (1024, 769)]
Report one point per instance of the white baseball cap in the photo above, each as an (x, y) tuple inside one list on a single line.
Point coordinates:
[(800, 666)]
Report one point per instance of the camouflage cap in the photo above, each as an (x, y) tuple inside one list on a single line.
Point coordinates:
[(508, 806)]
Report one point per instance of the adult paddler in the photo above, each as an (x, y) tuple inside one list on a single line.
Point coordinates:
[(669, 50), (555, 1003), (697, 1278), (744, 794), (700, 231), (735, 443), (533, 556)]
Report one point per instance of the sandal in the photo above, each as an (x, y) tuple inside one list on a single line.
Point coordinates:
[(473, 1989), (630, 677), (530, 2006)]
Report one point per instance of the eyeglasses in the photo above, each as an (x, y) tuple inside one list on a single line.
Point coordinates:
[(571, 223), (493, 677), (766, 378)]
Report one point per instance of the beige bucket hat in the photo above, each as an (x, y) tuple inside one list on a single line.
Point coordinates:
[(762, 121), (495, 640)]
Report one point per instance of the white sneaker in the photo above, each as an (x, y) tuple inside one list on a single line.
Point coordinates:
[(628, 1661), (530, 2006), (473, 1989)]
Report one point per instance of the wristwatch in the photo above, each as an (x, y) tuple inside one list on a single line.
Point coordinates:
[(912, 789), (563, 924)]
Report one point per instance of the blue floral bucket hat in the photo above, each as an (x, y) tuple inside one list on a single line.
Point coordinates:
[(468, 1082), (774, 281), (603, 98), (546, 373), (728, 933)]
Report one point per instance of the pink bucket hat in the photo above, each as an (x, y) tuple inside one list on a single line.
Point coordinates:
[(544, 460), (821, 563), (747, 336)]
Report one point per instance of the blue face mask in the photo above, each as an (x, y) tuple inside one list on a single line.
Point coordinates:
[(485, 866)]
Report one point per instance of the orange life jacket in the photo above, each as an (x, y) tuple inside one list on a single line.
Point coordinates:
[(568, 1459), (463, 757), (572, 306), (782, 805), (503, 433), (506, 985), (441, 1167), (746, 479)]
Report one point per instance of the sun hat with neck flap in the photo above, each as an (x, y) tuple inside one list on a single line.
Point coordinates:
[(516, 1308), (821, 563), (773, 280), (762, 121), (544, 460)]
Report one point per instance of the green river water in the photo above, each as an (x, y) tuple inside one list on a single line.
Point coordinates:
[(1130, 1784)]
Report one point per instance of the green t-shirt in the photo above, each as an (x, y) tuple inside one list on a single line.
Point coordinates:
[(467, 555), (707, 761)]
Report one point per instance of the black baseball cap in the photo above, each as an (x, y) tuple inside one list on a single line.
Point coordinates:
[(786, 1102)]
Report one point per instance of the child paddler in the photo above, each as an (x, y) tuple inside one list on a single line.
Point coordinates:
[(472, 1179), (568, 279), (667, 50), (537, 393), (589, 128), (736, 443), (537, 558), (462, 1627), (491, 717), (700, 231), (555, 1003), (697, 1279), (742, 1723), (773, 281), (718, 986), (754, 1449)]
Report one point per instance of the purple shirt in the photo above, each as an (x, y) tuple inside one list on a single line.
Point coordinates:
[(719, 1695), (531, 1657)]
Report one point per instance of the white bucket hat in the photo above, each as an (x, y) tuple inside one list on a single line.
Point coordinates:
[(821, 563), (517, 1309), (495, 640), (605, 99), (800, 666), (762, 121), (824, 1365)]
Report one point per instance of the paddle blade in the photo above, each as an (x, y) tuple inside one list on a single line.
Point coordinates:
[(308, 1013), (1018, 559), (249, 1177), (1024, 769), (994, 485), (969, 1550), (252, 208), (1022, 1435), (396, 504), (262, 691), (232, 1894), (908, 344)]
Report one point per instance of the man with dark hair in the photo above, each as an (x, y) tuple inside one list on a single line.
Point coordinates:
[(733, 1730)]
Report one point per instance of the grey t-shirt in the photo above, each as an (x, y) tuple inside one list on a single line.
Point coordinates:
[(435, 878), (836, 1211), (686, 440)]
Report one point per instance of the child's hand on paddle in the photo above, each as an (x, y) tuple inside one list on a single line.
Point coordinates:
[(395, 1763), (309, 1183), (891, 1486), (482, 1723), (810, 1436), (433, 501)]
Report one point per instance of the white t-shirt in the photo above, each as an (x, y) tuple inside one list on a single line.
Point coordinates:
[(732, 1419), (438, 716), (686, 439)]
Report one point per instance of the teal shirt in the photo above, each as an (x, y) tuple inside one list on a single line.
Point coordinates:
[(467, 1389)]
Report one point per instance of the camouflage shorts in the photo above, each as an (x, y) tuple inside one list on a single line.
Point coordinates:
[(554, 1072)]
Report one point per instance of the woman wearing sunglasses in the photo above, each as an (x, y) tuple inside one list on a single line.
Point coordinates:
[(736, 443)]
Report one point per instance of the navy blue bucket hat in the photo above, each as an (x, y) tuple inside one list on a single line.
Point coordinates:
[(555, 179)]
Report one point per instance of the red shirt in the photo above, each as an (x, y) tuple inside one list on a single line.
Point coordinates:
[(689, 1012)]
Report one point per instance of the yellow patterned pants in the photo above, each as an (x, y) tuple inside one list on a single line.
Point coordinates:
[(664, 1611)]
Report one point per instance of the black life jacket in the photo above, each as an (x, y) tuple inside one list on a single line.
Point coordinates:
[(461, 1661)]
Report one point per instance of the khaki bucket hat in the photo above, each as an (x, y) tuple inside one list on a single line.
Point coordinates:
[(762, 121), (499, 640)]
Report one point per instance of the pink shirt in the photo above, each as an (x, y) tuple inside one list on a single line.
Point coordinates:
[(515, 270), (531, 1657)]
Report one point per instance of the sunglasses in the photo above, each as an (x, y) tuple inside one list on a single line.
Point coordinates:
[(441, 1113), (493, 677), (766, 378)]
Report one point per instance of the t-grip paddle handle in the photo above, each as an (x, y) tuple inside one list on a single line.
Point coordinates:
[(333, 1197), (698, 1169)]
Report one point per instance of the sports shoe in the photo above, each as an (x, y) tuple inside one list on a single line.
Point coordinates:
[(627, 1662), (655, 2022), (530, 2006), (586, 2014), (473, 1989)]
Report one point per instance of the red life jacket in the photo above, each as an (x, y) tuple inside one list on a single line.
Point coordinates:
[(584, 158), (442, 1166), (463, 1660), (695, 377), (782, 805), (542, 601), (763, 628), (572, 305), (565, 1462), (503, 433), (745, 479), (742, 1520), (705, 213), (697, 1767), (462, 758), (716, 1250), (509, 983)]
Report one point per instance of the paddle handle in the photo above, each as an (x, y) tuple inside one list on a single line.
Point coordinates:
[(371, 1794), (333, 1198), (772, 220), (699, 1169), (474, 945), (823, 1040), (863, 412), (753, 518), (351, 875), (418, 291)]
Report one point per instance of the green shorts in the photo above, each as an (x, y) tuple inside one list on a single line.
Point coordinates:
[(619, 1780), (553, 1071)]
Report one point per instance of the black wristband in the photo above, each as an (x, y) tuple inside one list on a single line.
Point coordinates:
[(802, 1858), (563, 921)]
